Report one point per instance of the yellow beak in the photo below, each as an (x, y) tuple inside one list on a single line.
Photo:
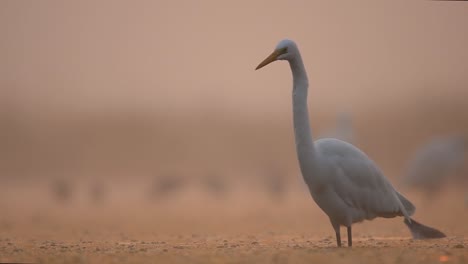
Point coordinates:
[(273, 56)]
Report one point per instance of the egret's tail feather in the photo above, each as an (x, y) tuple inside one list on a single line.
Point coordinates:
[(420, 231), (409, 207)]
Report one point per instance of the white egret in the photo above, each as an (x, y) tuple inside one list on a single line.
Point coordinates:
[(438, 162), (343, 181)]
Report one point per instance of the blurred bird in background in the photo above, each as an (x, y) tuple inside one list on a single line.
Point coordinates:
[(436, 164)]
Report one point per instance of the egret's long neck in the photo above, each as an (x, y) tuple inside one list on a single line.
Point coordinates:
[(302, 132)]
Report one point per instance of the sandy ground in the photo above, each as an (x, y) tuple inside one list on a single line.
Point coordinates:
[(192, 227), (260, 248)]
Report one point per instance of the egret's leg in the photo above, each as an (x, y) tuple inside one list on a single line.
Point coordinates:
[(350, 237), (338, 237)]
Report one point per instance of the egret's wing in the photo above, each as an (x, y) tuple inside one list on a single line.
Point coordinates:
[(360, 183)]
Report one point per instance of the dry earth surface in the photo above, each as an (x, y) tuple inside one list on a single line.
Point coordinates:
[(195, 228)]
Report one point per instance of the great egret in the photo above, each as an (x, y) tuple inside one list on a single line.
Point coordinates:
[(343, 181), (436, 163)]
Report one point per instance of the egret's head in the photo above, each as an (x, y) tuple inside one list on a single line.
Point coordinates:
[(285, 50)]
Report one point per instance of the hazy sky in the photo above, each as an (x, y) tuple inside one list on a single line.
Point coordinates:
[(188, 55)]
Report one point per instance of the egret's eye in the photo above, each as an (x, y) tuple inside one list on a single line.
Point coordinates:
[(283, 51)]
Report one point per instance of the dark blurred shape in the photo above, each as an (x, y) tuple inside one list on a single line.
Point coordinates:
[(343, 129), (436, 164), (215, 185), (167, 186), (62, 190), (275, 184), (98, 192)]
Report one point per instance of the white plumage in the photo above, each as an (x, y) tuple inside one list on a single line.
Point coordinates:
[(343, 181)]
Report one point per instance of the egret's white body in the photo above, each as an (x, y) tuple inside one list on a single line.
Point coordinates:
[(343, 181), (436, 163), (349, 187)]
